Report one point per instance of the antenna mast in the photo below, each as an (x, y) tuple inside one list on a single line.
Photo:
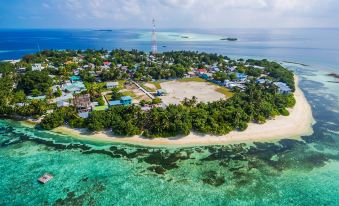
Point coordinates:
[(154, 39)]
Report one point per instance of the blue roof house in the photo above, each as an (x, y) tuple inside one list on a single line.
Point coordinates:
[(241, 76), (114, 103), (161, 92), (283, 88), (75, 78), (125, 100)]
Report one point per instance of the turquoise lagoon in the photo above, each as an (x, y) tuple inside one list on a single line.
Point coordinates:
[(285, 172)]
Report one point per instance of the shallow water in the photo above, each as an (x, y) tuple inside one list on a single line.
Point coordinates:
[(287, 172)]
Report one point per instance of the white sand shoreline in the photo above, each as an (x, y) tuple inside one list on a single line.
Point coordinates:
[(297, 124)]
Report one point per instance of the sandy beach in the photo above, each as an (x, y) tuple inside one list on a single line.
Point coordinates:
[(298, 123)]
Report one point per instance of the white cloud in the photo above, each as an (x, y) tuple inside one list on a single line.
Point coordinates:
[(200, 13)]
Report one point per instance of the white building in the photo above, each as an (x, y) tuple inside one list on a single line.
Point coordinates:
[(111, 85), (37, 67)]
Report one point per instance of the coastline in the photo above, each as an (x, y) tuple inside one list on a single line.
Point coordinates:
[(297, 124)]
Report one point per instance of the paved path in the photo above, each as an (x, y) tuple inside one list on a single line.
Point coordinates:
[(144, 90)]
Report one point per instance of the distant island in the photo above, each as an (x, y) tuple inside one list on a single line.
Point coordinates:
[(335, 76), (136, 93), (229, 39), (109, 30)]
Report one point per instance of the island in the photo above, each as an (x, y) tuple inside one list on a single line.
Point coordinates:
[(229, 39), (177, 97)]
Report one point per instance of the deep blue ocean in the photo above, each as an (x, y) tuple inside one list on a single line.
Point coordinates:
[(292, 171), (319, 47)]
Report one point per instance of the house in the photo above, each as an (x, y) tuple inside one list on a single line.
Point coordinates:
[(107, 63), (111, 85), (62, 104), (69, 62), (75, 87), (114, 103), (201, 71), (283, 88), (206, 75), (82, 103), (124, 100), (232, 69), (191, 74), (215, 68), (241, 76), (261, 81), (161, 92), (83, 115), (37, 67), (21, 70), (64, 98), (76, 71), (75, 78)]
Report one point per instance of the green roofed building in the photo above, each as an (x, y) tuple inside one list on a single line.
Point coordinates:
[(75, 78)]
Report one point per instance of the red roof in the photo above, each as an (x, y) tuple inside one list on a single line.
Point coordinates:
[(107, 63), (202, 70)]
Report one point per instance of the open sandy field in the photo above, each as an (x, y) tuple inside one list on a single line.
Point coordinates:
[(177, 91)]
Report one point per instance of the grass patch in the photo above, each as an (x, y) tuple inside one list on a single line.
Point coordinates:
[(156, 84), (100, 108), (192, 79), (129, 93), (224, 91), (121, 84), (148, 88), (108, 97)]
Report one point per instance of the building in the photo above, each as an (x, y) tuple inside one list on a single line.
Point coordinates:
[(64, 98), (232, 69), (21, 70), (75, 78), (75, 87), (283, 88), (82, 103), (62, 104), (241, 76), (111, 85), (206, 75), (107, 63), (125, 100), (114, 103), (260, 81), (37, 67), (161, 92), (201, 71)]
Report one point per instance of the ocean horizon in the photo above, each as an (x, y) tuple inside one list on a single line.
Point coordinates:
[(282, 172)]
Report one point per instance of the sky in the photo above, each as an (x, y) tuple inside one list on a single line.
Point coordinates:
[(115, 14)]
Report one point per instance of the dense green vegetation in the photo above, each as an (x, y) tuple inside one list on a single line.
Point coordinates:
[(35, 82), (256, 103)]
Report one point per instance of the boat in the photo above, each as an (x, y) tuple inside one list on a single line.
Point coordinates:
[(45, 178)]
